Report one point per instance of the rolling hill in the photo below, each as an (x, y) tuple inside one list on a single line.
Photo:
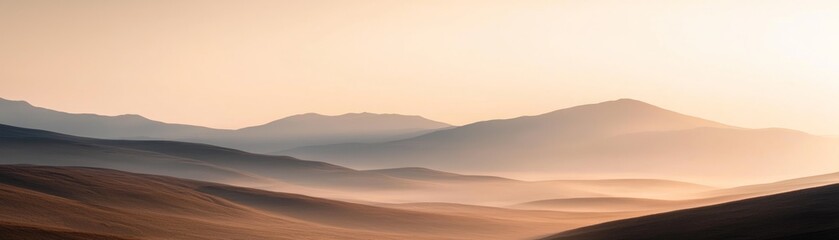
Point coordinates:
[(802, 214), (218, 164), (180, 159), (77, 202)]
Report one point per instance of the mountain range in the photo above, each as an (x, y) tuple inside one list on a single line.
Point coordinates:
[(385, 176), (224, 165), (616, 139), (622, 138), (294, 131)]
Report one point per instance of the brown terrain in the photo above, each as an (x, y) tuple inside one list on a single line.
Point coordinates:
[(67, 190), (803, 214), (108, 204)]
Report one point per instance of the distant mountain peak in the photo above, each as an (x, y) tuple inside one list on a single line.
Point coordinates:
[(624, 103), (133, 116), (420, 121), (629, 100), (15, 102)]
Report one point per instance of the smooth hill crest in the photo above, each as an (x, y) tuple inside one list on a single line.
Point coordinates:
[(802, 214)]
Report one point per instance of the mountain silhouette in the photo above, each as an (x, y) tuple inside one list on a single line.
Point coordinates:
[(616, 138), (290, 132)]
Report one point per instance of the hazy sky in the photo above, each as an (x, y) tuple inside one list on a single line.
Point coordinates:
[(228, 64)]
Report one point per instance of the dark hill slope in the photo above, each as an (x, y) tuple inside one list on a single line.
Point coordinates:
[(804, 214)]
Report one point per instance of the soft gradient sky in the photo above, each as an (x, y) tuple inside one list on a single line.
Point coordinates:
[(229, 64)]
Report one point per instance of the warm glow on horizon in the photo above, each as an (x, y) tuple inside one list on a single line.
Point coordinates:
[(230, 64)]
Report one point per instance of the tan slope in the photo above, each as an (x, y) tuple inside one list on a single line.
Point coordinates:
[(108, 202), (534, 223), (23, 232)]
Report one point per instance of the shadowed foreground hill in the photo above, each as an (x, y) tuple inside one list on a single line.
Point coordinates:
[(804, 214), (18, 232), (76, 201)]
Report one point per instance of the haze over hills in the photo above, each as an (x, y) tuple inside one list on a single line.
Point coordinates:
[(102, 202), (186, 160), (212, 163), (409, 202), (803, 214), (316, 129), (294, 131), (776, 187), (622, 138)]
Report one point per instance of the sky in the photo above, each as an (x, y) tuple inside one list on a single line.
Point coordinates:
[(231, 64)]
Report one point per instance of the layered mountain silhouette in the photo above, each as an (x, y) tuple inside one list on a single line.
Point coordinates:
[(803, 214), (622, 137), (295, 131), (129, 126), (400, 180), (224, 165), (181, 159)]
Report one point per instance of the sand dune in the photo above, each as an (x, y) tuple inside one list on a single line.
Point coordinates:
[(803, 214)]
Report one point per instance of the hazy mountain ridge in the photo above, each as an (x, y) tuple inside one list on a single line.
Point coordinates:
[(294, 131), (188, 160), (212, 163), (129, 126), (622, 137)]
